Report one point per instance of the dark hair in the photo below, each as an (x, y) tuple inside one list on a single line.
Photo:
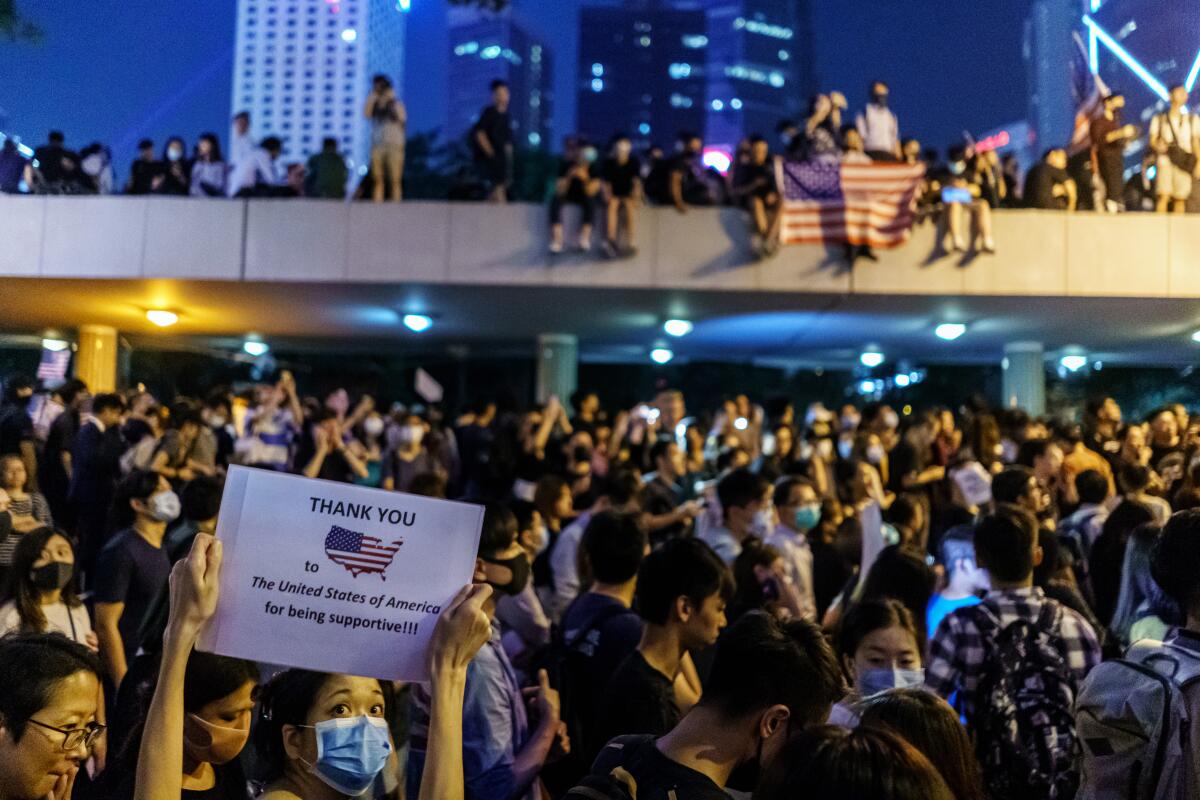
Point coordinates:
[(242, 115), (428, 484), (137, 485), (167, 145), (1091, 486), (929, 724), (499, 530), (497, 83), (784, 486), (739, 489), (660, 450), (680, 568), (329, 143), (748, 592), (184, 412), (866, 617), (210, 677), (831, 763), (201, 498), (379, 77), (1186, 499), (31, 667), (759, 662), (214, 144), (56, 137), (615, 545), (1032, 449), (272, 144), (284, 700), (1011, 484), (21, 591), (106, 401), (70, 390), (904, 511), (900, 574), (1004, 542), (1176, 564), (1174, 86), (547, 492), (1134, 477)]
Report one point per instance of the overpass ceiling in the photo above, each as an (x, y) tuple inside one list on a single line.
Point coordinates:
[(612, 324)]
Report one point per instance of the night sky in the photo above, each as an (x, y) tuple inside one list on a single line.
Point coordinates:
[(117, 71)]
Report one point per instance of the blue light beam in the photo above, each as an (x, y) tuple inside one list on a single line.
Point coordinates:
[(1126, 58)]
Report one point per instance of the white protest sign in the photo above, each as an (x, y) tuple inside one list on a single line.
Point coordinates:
[(873, 542), (335, 577)]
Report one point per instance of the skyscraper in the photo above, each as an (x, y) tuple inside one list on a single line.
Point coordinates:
[(722, 68), (484, 47), (302, 68), (1048, 56), (641, 71)]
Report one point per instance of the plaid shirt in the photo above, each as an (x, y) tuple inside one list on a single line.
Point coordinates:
[(958, 650)]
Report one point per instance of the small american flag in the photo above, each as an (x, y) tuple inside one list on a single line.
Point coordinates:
[(53, 366), (359, 553), (861, 204)]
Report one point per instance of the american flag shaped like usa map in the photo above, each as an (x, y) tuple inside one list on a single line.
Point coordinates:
[(359, 553)]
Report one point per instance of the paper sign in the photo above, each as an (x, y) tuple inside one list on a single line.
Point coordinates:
[(872, 538), (335, 577), (429, 389)]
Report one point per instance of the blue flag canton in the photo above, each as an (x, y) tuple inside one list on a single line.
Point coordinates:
[(813, 181), (345, 540)]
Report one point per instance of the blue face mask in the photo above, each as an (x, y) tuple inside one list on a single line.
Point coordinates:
[(351, 752), (807, 517), (874, 681)]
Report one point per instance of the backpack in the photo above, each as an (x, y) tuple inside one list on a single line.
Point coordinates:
[(566, 666), (1134, 724), (1025, 734)]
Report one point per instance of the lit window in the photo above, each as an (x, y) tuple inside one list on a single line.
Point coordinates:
[(535, 138), (717, 105), (598, 70), (597, 85), (776, 80), (644, 128), (735, 104), (784, 55), (694, 42), (644, 41)]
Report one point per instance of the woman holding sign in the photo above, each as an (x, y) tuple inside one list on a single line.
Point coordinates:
[(322, 735)]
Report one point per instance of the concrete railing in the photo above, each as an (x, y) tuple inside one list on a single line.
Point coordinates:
[(1040, 253)]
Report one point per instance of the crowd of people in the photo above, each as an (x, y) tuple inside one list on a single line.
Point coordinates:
[(753, 599), (961, 188)]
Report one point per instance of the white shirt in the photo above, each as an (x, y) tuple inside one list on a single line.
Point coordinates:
[(1165, 126), (798, 560), (59, 619), (240, 147), (564, 567), (879, 128), (248, 172)]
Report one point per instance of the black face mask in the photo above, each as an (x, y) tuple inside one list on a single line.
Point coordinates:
[(880, 100), (519, 565), (52, 576)]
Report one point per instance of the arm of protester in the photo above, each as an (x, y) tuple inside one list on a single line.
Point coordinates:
[(687, 685), (461, 630), (194, 591), (532, 757), (549, 417), (112, 646)]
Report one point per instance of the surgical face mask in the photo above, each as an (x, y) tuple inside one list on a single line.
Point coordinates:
[(216, 421), (891, 419), (164, 506), (874, 681), (589, 154), (52, 576), (850, 421), (351, 752), (845, 447), (807, 517), (958, 167), (411, 434), (373, 426), (174, 153), (519, 566), (762, 524), (875, 454), (213, 744)]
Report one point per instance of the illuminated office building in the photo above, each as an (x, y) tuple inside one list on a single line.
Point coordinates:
[(484, 47), (302, 68), (723, 68)]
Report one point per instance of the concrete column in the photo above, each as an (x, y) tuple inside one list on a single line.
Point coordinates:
[(557, 366), (1024, 377), (96, 358)]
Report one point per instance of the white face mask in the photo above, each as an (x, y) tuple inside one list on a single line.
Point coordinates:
[(174, 153), (165, 506), (411, 434), (762, 525), (845, 448), (373, 426), (891, 419), (875, 454)]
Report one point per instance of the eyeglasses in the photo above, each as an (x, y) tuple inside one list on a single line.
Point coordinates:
[(73, 737)]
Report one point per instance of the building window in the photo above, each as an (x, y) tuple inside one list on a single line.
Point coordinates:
[(597, 85)]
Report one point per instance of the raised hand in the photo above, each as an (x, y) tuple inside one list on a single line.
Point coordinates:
[(462, 628), (195, 587)]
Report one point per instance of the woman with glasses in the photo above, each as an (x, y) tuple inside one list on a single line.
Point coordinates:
[(49, 688)]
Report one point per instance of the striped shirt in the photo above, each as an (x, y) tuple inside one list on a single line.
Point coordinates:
[(268, 440), (958, 651), (31, 505)]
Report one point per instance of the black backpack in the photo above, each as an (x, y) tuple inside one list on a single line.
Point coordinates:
[(1024, 729), (566, 667)]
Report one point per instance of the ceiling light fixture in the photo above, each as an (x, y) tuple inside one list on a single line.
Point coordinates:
[(161, 317)]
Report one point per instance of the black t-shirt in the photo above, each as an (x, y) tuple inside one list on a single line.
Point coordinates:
[(757, 179), (637, 699), (830, 573), (658, 777), (659, 499), (132, 571), (1039, 187), (622, 177), (694, 189), (497, 127), (15, 427)]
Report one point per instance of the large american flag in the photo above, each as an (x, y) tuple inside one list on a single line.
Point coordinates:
[(862, 204), (53, 366), (1088, 90), (359, 553)]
